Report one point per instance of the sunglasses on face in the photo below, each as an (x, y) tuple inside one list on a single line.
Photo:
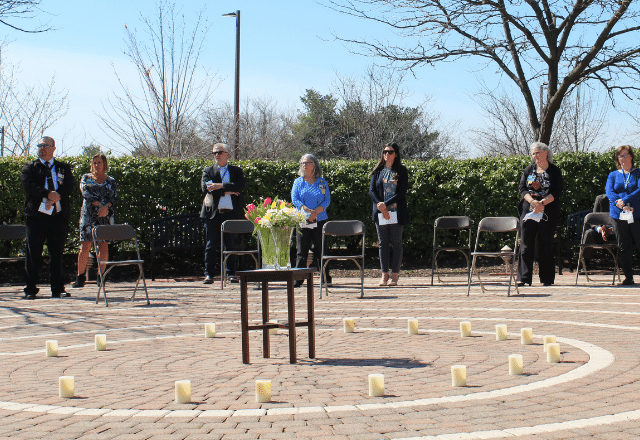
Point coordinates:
[(217, 153), (388, 152), (44, 146)]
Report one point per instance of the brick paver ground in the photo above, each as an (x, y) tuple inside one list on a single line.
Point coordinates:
[(127, 391)]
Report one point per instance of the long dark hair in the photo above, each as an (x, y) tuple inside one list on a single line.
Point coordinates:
[(395, 166)]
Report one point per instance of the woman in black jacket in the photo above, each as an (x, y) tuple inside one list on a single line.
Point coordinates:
[(388, 190), (540, 188)]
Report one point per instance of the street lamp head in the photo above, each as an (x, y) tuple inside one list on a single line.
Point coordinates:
[(230, 14)]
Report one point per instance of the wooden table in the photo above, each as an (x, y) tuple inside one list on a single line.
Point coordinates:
[(265, 276)]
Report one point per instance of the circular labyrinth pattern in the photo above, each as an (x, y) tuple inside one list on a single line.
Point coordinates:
[(151, 347)]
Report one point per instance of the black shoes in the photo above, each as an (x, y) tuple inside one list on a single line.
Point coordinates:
[(522, 283), (627, 282), (208, 280), (79, 282), (28, 296), (62, 294)]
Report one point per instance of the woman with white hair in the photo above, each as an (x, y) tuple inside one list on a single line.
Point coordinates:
[(540, 187), (310, 193)]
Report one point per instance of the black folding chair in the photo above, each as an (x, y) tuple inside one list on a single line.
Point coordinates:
[(342, 228), (597, 219), (117, 233), (235, 227), (496, 225), (459, 223)]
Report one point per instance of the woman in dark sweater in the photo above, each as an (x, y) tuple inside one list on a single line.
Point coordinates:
[(540, 188), (388, 190)]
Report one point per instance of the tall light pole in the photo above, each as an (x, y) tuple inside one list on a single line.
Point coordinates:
[(236, 103)]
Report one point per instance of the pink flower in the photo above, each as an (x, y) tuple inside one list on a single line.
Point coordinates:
[(257, 220), (267, 202), (251, 207)]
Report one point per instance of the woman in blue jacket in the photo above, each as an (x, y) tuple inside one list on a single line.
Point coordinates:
[(310, 192), (388, 190), (623, 192)]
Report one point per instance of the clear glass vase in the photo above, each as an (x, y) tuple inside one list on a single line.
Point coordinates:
[(267, 248), (275, 244), (282, 241)]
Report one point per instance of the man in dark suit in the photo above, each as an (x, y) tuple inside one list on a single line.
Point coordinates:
[(48, 184), (223, 185)]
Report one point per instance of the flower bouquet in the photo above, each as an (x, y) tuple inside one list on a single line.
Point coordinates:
[(275, 221)]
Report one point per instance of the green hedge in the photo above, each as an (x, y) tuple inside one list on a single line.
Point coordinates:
[(149, 188)]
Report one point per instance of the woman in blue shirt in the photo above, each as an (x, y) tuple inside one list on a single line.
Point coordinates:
[(624, 196), (310, 192)]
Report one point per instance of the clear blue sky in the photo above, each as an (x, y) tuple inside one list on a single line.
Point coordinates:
[(286, 48)]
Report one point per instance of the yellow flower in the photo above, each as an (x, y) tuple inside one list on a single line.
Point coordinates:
[(274, 205)]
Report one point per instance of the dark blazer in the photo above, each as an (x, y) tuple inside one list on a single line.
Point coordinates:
[(556, 185), (236, 184), (33, 178), (376, 192)]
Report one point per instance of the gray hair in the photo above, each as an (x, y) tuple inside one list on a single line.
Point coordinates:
[(49, 139), (544, 147), (220, 145), (317, 169)]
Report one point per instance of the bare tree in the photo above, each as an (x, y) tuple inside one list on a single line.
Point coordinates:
[(265, 129), (562, 43), (579, 124), (26, 111), (13, 12), (162, 120)]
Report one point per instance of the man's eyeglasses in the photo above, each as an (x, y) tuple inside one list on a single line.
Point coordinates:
[(44, 146), (388, 152), (217, 153)]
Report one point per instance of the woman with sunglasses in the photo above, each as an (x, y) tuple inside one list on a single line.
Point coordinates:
[(310, 193), (388, 190), (623, 191)]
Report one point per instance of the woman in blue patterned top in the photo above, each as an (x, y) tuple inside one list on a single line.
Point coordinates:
[(623, 191), (99, 192), (388, 190), (310, 192)]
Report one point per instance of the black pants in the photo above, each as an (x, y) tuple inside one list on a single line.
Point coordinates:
[(625, 233), (51, 230), (544, 232), (212, 228), (303, 243)]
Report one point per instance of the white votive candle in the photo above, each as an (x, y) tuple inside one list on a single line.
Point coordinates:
[(412, 326), (52, 348), (263, 391), (376, 385), (526, 336), (515, 364), (183, 391), (458, 376), (66, 387), (548, 339), (273, 331), (501, 332), (349, 325), (465, 329), (101, 342), (210, 330), (553, 352)]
